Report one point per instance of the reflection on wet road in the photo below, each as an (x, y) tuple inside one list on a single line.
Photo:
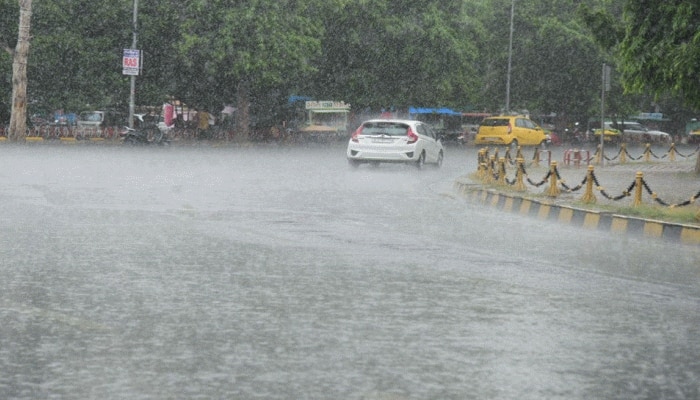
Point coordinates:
[(283, 273)]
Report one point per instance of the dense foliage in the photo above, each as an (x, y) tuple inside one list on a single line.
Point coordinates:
[(660, 49), (370, 53)]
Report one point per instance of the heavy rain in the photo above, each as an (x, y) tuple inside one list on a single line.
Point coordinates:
[(179, 219), (280, 272)]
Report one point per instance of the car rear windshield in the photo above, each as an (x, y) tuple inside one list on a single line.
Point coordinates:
[(384, 128), (495, 122)]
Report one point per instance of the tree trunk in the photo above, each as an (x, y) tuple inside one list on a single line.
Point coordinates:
[(18, 118), (697, 164), (242, 112)]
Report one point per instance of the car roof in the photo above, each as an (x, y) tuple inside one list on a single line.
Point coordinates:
[(395, 120), (507, 116)]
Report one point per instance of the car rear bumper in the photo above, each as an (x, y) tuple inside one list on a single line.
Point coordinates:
[(379, 154)]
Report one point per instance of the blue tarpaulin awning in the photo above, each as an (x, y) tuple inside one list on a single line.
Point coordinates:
[(427, 110)]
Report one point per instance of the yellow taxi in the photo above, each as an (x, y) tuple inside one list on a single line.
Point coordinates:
[(694, 136), (510, 130), (610, 134)]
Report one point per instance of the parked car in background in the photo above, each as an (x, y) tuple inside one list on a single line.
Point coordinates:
[(510, 130), (100, 119), (395, 141), (694, 136), (612, 134), (635, 132)]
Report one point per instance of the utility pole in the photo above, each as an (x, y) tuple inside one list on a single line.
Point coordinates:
[(510, 56), (132, 95), (604, 88)]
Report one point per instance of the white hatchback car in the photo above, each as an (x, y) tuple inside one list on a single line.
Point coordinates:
[(395, 141)]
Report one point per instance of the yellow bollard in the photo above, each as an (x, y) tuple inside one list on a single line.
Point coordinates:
[(589, 197), (553, 190), (672, 152), (502, 171), (597, 156), (647, 152), (638, 189), (489, 169), (483, 164), (519, 153), (623, 153), (519, 184)]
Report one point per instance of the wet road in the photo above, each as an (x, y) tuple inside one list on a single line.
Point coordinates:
[(281, 273)]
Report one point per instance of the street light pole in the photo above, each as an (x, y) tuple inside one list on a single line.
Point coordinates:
[(132, 96), (510, 56), (604, 88)]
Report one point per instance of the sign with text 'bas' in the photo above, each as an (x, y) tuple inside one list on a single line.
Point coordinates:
[(131, 62)]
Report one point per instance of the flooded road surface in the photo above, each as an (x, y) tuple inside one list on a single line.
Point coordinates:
[(281, 273)]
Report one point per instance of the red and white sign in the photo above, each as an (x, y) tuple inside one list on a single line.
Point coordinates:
[(131, 62)]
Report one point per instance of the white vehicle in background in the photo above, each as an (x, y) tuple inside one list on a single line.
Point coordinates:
[(93, 123), (395, 141), (635, 132)]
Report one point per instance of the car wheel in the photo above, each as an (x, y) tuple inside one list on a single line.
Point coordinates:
[(420, 163), (438, 163)]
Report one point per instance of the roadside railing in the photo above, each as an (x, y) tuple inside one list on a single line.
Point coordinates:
[(492, 170)]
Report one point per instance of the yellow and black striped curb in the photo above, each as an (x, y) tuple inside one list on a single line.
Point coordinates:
[(586, 219)]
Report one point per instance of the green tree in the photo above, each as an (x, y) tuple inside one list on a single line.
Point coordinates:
[(229, 49), (8, 34), (555, 63), (660, 49), (20, 57), (402, 52), (76, 54)]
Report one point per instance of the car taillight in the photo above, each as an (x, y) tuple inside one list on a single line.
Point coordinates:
[(510, 128), (412, 137), (355, 134)]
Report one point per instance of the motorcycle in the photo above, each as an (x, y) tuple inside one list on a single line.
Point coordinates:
[(145, 136), (148, 132)]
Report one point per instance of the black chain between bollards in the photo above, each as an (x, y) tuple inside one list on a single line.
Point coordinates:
[(653, 154), (696, 151), (602, 191), (663, 203), (565, 186), (508, 158), (687, 202), (614, 157), (652, 194), (538, 184), (633, 158)]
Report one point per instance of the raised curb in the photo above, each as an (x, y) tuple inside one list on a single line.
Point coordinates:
[(587, 219)]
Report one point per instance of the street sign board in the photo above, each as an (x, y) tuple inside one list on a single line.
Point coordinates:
[(131, 62)]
